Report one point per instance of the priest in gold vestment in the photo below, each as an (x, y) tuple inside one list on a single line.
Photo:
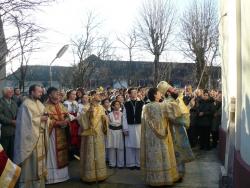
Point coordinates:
[(57, 162), (178, 125), (31, 138), (158, 161), (94, 124)]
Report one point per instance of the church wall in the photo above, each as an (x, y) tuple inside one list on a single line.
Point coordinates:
[(235, 56), (224, 51), (227, 38), (245, 98)]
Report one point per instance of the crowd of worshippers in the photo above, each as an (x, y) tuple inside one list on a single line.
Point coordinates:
[(104, 127)]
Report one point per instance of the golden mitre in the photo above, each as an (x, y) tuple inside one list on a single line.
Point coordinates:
[(163, 87)]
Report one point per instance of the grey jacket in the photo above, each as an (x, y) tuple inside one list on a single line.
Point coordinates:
[(8, 113)]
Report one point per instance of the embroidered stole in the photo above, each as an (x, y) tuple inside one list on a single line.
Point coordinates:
[(57, 113)]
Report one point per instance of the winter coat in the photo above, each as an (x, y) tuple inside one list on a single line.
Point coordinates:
[(217, 116), (206, 107)]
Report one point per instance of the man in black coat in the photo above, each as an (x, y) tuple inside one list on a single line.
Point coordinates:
[(216, 119), (8, 112), (17, 97), (204, 120)]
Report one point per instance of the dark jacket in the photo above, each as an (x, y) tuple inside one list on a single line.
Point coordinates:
[(8, 113), (217, 116), (133, 111), (18, 100), (206, 107)]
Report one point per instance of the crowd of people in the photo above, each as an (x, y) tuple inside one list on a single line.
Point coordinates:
[(205, 117), (147, 129)]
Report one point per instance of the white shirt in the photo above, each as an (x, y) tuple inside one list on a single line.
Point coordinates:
[(72, 106)]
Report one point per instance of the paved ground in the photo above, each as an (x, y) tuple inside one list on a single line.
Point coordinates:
[(202, 173)]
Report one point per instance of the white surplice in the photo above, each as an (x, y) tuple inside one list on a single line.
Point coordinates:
[(55, 175), (115, 143), (115, 137)]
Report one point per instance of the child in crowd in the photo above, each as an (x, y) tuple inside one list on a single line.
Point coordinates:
[(115, 143)]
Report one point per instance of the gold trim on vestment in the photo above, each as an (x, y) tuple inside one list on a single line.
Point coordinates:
[(91, 120), (158, 160), (94, 179), (56, 113), (31, 103), (169, 172), (41, 155), (10, 175), (92, 163)]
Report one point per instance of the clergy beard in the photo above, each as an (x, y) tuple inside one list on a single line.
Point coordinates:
[(161, 100), (174, 95), (35, 98)]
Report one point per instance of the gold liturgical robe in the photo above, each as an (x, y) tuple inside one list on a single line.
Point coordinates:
[(179, 122), (57, 112), (9, 172), (30, 146), (157, 151), (92, 154)]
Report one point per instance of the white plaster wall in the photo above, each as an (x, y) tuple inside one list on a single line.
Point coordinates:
[(223, 38), (245, 58), (228, 52), (239, 78)]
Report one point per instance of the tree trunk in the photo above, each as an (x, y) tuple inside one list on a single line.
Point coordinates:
[(130, 82), (201, 78), (3, 51), (156, 69), (21, 85), (22, 78)]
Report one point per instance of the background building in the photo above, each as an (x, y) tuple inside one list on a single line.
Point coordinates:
[(113, 73)]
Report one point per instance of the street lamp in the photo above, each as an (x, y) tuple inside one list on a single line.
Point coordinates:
[(58, 55)]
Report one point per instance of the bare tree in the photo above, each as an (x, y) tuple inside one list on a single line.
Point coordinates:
[(10, 9), (83, 44), (3, 49), (83, 47), (155, 26), (199, 34), (88, 43), (27, 39), (130, 41), (166, 71), (104, 49)]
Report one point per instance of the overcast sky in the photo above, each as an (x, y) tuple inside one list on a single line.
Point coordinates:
[(65, 19)]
